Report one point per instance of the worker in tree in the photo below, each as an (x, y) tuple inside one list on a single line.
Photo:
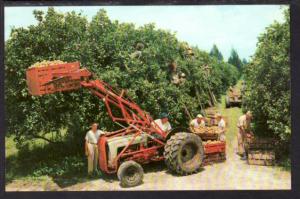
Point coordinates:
[(186, 50), (243, 131), (91, 147), (190, 52), (176, 77), (222, 126), (199, 121), (138, 51), (162, 123)]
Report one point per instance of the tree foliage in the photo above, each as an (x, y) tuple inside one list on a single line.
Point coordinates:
[(235, 60), (268, 82), (214, 52), (104, 47), (244, 62)]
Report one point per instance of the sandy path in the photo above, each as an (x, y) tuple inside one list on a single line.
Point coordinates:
[(230, 175), (233, 174)]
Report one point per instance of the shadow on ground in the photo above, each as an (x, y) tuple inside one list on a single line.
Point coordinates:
[(64, 168), (54, 161)]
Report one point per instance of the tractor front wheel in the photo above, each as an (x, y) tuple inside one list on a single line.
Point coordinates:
[(184, 153), (130, 174)]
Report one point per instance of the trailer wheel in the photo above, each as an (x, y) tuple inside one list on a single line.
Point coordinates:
[(227, 102), (130, 174), (184, 153)]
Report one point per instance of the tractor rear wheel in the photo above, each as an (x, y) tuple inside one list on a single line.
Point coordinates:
[(184, 153), (130, 174)]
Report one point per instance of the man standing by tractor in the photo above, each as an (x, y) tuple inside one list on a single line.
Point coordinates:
[(199, 121), (91, 148), (222, 126), (244, 130)]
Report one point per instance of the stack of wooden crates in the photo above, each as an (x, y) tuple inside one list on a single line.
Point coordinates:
[(214, 150), (261, 151)]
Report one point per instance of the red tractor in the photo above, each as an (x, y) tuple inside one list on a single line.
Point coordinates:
[(123, 151)]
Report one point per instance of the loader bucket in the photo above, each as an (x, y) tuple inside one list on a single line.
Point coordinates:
[(45, 80)]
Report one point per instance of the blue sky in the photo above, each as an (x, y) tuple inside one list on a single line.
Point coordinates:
[(230, 26)]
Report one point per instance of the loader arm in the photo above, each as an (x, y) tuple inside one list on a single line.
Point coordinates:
[(131, 113)]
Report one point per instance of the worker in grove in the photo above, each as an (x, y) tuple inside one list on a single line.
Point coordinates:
[(175, 76), (91, 148), (243, 129), (199, 121), (222, 126), (162, 124), (138, 51)]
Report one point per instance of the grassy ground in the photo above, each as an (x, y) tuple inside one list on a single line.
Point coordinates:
[(231, 116), (17, 167), (41, 162)]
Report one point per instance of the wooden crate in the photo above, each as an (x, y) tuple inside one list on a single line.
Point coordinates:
[(261, 162), (215, 147), (261, 157), (36, 78), (207, 133), (214, 158), (208, 136), (265, 155), (260, 143)]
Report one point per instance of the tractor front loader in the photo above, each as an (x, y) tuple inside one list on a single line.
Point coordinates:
[(140, 142)]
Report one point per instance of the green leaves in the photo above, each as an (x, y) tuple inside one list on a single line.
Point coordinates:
[(104, 47), (268, 82)]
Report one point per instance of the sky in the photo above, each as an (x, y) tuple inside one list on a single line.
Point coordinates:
[(227, 26)]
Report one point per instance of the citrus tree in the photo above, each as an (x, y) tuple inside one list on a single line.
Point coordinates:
[(268, 82), (106, 48)]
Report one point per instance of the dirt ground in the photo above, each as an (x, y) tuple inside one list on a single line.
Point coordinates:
[(233, 174)]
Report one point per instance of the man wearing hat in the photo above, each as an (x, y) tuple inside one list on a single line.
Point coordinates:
[(199, 121), (91, 148), (243, 129), (162, 123)]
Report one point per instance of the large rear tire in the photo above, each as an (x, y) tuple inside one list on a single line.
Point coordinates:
[(184, 153), (130, 174)]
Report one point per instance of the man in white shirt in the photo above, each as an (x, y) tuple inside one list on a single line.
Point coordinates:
[(243, 129), (199, 121), (222, 126), (91, 148), (162, 123)]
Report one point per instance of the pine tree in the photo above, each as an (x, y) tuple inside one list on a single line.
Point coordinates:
[(235, 60), (214, 52)]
